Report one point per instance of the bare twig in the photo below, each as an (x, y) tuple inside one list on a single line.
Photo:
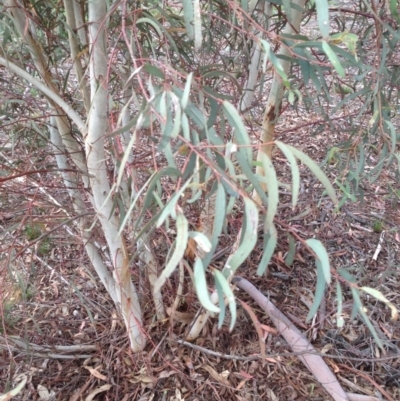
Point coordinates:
[(379, 247)]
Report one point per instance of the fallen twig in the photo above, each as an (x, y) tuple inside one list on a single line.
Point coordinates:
[(379, 247), (15, 344)]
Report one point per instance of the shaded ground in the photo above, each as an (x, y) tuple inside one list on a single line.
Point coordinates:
[(55, 299)]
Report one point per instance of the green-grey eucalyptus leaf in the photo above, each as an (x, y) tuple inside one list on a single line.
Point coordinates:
[(294, 169), (272, 187), (178, 113), (360, 309), (226, 288), (319, 291), (221, 304), (270, 241), (185, 127), (219, 219), (127, 151), (198, 37), (323, 257), (291, 252), (152, 22), (133, 203), (334, 59), (186, 92), (315, 169), (188, 15), (181, 240), (323, 17), (380, 297), (171, 204), (201, 287), (241, 135), (249, 237), (202, 241), (247, 171)]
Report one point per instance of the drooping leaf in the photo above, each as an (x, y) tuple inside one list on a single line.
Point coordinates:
[(323, 17), (240, 130), (152, 22), (288, 10), (380, 297), (153, 182), (178, 113), (153, 70), (270, 241), (273, 190), (185, 127), (315, 169), (181, 240), (198, 37), (219, 219), (125, 157), (334, 59), (221, 304), (292, 250), (360, 309), (201, 287), (323, 257), (249, 237), (186, 92), (246, 169), (226, 288), (294, 169), (393, 6), (171, 204), (188, 15), (319, 291), (202, 241)]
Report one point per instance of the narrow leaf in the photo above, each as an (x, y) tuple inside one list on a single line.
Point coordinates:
[(178, 114), (380, 297), (292, 250), (270, 241), (202, 241), (170, 205), (393, 6), (249, 238), (334, 59), (360, 309), (323, 257), (272, 187), (295, 171), (226, 288), (319, 291), (240, 130), (219, 218), (188, 16), (246, 169), (221, 304), (323, 17), (198, 37), (152, 22), (201, 287), (180, 247), (186, 92), (315, 169)]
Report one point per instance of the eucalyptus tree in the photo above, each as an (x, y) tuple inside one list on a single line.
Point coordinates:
[(163, 81)]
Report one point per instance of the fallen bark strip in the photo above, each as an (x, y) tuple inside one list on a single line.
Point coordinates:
[(296, 340), (15, 344)]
